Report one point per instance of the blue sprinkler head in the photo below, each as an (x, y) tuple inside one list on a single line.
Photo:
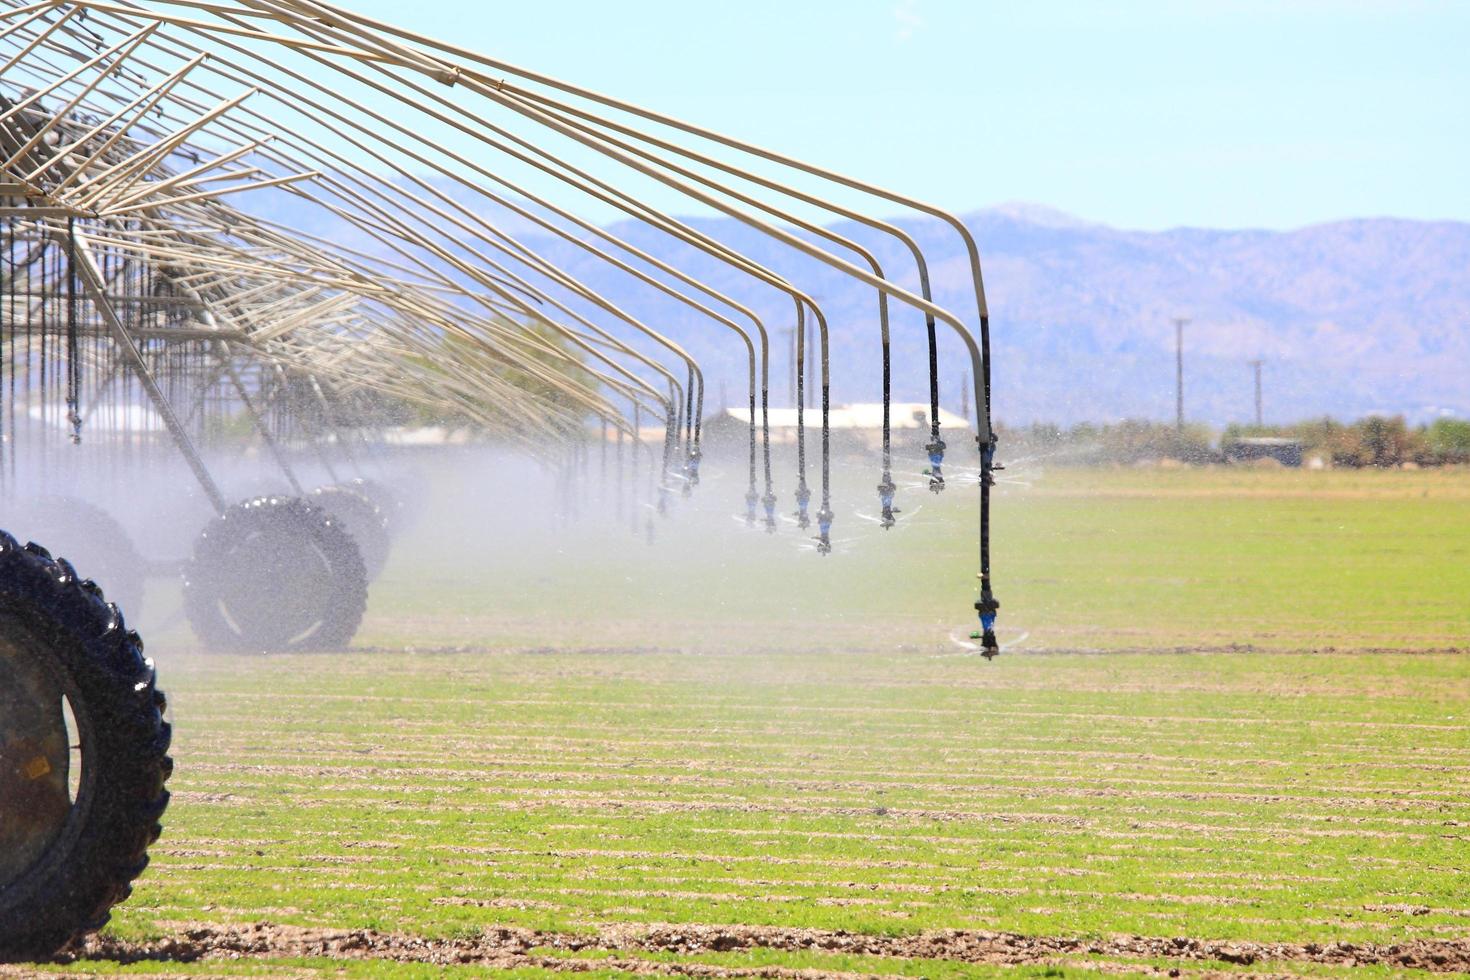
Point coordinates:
[(935, 450), (886, 492), (936, 465), (988, 607), (824, 531)]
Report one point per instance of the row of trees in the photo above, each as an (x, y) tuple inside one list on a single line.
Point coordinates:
[(1373, 441)]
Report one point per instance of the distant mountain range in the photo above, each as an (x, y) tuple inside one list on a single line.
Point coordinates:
[(1351, 317)]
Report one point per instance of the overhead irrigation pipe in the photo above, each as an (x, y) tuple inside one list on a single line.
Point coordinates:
[(886, 489), (692, 366), (455, 400), (577, 287), (985, 434), (979, 354), (442, 392), (349, 21), (987, 601), (440, 382), (626, 202), (379, 118), (576, 338), (421, 316), (225, 357), (85, 268), (522, 286), (459, 323), (350, 24), (452, 365), (549, 322), (586, 226), (692, 417), (608, 194), (517, 339), (123, 48), (826, 509)]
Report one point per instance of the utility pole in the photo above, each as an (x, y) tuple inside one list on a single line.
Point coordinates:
[(1256, 364), (1179, 323)]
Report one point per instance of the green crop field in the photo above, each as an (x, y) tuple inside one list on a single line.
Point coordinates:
[(1232, 733)]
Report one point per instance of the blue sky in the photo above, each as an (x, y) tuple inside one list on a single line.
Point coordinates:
[(1141, 114)]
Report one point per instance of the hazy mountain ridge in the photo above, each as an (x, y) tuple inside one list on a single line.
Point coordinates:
[(1352, 317)]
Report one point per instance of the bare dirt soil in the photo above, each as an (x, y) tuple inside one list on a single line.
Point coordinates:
[(507, 947)]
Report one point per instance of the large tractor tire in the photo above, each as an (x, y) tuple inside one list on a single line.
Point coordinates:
[(83, 754), (275, 574), (362, 519), (88, 536), (395, 512)]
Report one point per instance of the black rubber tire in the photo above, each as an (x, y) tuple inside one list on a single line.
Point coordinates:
[(99, 664), (88, 536), (275, 574), (363, 520), (389, 504)]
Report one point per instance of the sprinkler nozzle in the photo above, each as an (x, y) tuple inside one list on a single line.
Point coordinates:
[(886, 490), (987, 606), (750, 501), (988, 465), (936, 465), (824, 531), (691, 470), (769, 501), (989, 646), (803, 500)]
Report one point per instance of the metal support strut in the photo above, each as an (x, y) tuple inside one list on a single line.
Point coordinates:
[(95, 285)]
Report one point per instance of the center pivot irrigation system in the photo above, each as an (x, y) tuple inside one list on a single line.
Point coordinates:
[(231, 230)]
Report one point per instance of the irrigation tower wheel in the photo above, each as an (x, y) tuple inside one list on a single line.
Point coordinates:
[(275, 574), (389, 503), (362, 519), (88, 535), (83, 754)]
